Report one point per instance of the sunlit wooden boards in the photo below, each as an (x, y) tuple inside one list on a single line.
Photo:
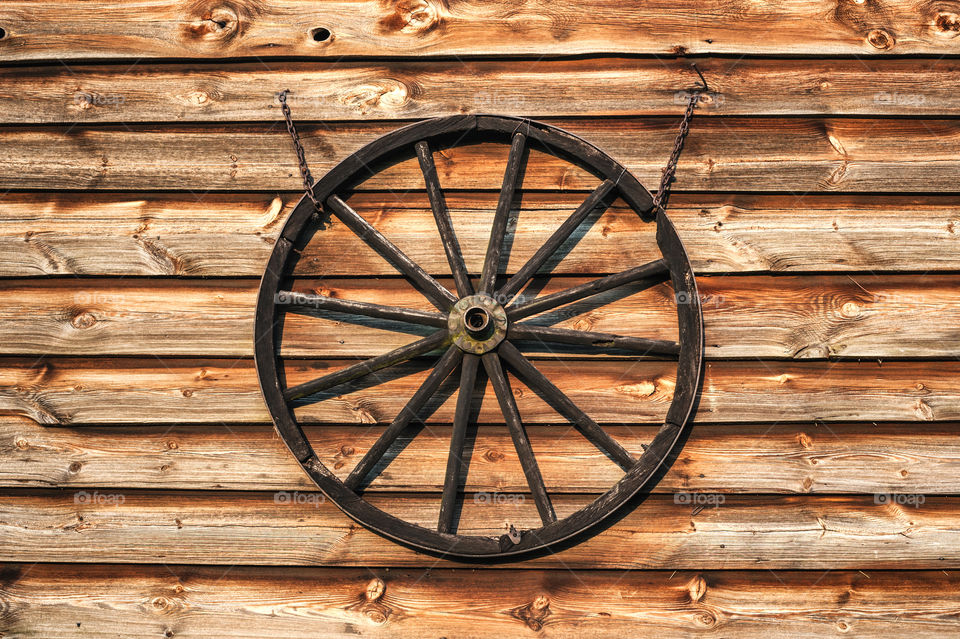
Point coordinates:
[(150, 390), (60, 601), (237, 528), (789, 155), (245, 28), (146, 175), (755, 316), (360, 90), (231, 235), (783, 458)]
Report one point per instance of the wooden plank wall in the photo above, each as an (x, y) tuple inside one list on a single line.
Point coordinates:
[(146, 173)]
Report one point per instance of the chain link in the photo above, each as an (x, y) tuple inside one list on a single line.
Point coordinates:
[(301, 156), (669, 172)]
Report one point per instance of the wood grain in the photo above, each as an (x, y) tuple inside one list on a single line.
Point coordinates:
[(896, 458), (243, 28), (745, 316), (794, 156), (388, 90), (54, 600), (817, 494), (152, 390), (776, 532), (219, 234)]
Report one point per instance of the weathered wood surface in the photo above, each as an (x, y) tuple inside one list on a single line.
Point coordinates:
[(132, 429), (216, 234), (897, 458), (796, 155), (153, 390), (775, 532), (548, 88), (745, 316), (244, 28), (58, 601)]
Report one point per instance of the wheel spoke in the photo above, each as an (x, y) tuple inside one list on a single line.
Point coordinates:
[(511, 175), (397, 356), (468, 378), (531, 376), (511, 415), (649, 274), (442, 215), (431, 289), (589, 338), (295, 301), (595, 200), (440, 372)]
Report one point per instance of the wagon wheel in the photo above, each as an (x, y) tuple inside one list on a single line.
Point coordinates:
[(478, 327)]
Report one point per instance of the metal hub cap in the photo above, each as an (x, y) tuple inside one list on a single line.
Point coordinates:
[(477, 323)]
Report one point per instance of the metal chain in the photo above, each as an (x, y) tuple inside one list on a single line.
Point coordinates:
[(301, 156), (659, 200), (669, 172)]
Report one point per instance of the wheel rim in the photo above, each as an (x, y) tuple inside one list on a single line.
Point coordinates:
[(469, 343)]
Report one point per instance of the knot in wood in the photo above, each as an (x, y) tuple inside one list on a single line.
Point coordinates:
[(387, 94), (493, 455), (706, 618), (534, 613), (880, 39), (197, 98), (850, 310), (697, 588), (370, 605), (947, 24), (217, 25), (413, 17), (83, 320), (375, 589)]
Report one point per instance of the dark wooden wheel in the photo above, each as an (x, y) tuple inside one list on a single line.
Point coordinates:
[(481, 325)]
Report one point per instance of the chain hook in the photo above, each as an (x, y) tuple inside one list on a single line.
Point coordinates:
[(703, 80)]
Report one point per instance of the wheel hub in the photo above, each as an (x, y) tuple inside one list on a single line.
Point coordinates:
[(477, 323)]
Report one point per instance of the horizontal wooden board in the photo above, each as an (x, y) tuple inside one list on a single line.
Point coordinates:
[(745, 316), (64, 30), (217, 234), (389, 90), (154, 390), (58, 601), (775, 532), (795, 156), (897, 458)]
